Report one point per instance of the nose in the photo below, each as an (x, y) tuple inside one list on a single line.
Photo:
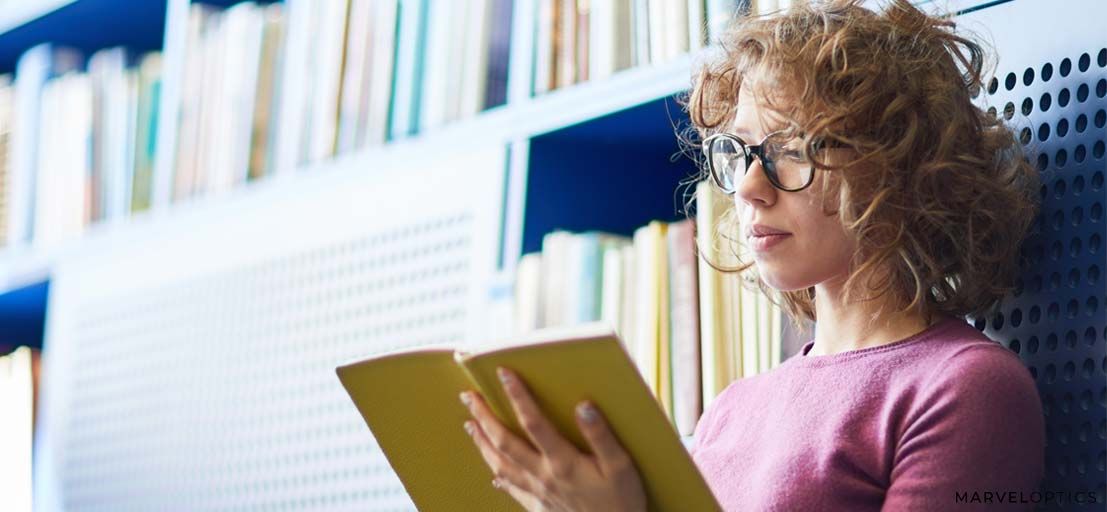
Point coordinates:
[(754, 186)]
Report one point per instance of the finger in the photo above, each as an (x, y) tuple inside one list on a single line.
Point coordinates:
[(534, 422), (609, 452), (498, 435), (503, 468), (528, 500)]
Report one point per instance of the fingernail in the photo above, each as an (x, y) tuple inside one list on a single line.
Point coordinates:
[(504, 376), (586, 412), (468, 427), (465, 398), (496, 483)]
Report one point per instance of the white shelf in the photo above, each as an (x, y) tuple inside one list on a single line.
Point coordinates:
[(21, 266), (22, 12)]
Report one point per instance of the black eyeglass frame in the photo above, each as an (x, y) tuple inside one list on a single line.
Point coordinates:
[(752, 150)]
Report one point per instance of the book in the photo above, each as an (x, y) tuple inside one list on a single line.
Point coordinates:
[(719, 354), (261, 148), (409, 400), (146, 129), (355, 73), (328, 58), (545, 48), (19, 374), (565, 45), (684, 334), (35, 67), (375, 120), (651, 336), (7, 102), (528, 293), (407, 78), (499, 53)]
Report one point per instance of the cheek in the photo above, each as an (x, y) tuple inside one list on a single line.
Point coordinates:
[(819, 251), (828, 242)]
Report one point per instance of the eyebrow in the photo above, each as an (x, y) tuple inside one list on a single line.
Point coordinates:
[(746, 135)]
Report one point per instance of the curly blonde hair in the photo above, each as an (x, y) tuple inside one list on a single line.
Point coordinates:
[(939, 194)]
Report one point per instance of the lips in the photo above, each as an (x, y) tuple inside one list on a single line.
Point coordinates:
[(764, 230), (761, 243)]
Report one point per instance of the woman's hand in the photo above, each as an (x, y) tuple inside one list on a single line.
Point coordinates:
[(550, 473)]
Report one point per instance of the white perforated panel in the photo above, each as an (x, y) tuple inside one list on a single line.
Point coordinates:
[(192, 367)]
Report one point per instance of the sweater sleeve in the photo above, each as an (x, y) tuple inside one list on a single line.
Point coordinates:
[(974, 441)]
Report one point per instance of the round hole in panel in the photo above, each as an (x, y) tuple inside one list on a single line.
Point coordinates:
[(1077, 216), (1043, 132), (1057, 220), (1075, 249), (1043, 162)]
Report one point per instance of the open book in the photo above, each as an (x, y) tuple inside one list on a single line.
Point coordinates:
[(409, 399)]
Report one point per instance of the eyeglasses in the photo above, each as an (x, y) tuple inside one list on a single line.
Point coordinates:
[(787, 167)]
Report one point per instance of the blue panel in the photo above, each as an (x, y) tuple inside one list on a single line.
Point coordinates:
[(23, 315), (89, 25), (1055, 95), (613, 173)]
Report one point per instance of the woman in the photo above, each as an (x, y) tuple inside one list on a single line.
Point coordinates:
[(876, 199)]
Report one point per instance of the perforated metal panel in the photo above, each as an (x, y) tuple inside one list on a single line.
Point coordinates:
[(1051, 85), (191, 366)]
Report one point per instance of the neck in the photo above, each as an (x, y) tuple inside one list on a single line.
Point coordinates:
[(850, 326)]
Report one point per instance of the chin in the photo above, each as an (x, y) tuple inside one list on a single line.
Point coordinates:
[(778, 280)]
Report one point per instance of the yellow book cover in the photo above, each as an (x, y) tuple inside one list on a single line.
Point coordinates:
[(409, 400)]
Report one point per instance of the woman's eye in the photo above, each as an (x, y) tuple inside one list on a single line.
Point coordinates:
[(795, 155)]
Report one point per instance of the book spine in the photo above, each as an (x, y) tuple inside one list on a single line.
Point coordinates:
[(684, 326)]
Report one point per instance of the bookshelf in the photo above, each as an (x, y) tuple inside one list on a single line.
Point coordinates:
[(547, 116), (566, 152)]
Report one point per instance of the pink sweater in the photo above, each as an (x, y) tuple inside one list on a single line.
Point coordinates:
[(905, 426)]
